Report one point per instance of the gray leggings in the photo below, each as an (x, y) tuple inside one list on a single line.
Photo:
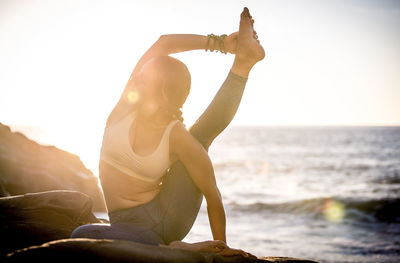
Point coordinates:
[(171, 214)]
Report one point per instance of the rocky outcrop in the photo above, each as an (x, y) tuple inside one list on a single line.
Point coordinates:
[(109, 251), (28, 167), (33, 219)]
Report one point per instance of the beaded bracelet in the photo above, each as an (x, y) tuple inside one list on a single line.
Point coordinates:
[(220, 40)]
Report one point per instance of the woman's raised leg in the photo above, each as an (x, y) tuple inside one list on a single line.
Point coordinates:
[(179, 197)]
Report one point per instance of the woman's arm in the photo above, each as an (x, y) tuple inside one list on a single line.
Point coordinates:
[(198, 164), (175, 43), (165, 45), (169, 44)]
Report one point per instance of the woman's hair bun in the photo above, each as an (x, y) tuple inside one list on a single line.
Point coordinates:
[(178, 115)]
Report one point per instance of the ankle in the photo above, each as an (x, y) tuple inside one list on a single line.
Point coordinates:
[(241, 67)]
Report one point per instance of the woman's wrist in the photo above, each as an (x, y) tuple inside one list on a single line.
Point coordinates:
[(175, 43), (216, 43), (180, 244)]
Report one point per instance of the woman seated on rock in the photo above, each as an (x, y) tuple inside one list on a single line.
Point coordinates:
[(153, 171)]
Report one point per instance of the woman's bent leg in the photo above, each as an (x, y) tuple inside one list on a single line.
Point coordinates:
[(179, 197), (122, 231)]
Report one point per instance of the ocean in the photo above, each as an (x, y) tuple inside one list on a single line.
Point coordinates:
[(330, 194)]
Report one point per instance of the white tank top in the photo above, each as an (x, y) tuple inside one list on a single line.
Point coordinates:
[(117, 151)]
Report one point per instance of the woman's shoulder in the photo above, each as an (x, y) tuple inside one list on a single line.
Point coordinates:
[(178, 129), (179, 136), (117, 116), (182, 141)]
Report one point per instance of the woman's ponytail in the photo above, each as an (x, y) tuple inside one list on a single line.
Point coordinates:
[(178, 115), (173, 113)]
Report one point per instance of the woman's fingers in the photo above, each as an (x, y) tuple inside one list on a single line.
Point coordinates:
[(232, 252), (221, 248), (210, 246), (219, 244), (231, 42)]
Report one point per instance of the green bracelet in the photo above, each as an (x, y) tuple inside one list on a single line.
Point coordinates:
[(219, 39)]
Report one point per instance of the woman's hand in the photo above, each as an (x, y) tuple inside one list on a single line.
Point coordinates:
[(211, 246), (219, 247), (228, 251), (230, 42)]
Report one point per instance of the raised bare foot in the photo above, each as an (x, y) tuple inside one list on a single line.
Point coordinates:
[(248, 50)]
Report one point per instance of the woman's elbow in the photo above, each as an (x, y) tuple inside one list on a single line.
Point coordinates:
[(162, 40), (213, 197), (161, 46)]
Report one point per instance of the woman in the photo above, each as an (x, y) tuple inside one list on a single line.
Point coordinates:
[(144, 136)]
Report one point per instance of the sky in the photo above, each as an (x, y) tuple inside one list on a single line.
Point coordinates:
[(64, 64)]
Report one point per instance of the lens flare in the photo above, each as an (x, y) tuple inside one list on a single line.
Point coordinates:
[(263, 168), (132, 96), (333, 211)]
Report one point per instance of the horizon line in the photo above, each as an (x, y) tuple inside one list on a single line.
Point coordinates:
[(316, 125), (259, 125)]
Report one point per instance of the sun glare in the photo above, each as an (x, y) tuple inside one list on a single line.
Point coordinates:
[(333, 211), (133, 96)]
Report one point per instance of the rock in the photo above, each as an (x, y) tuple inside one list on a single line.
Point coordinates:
[(36, 227), (3, 191), (106, 250), (33, 219), (28, 167), (287, 260)]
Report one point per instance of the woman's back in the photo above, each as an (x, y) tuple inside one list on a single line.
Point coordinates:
[(134, 157)]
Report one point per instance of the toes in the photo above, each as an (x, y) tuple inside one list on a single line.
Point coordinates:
[(255, 34), (246, 10), (243, 14), (248, 13), (245, 27), (245, 19)]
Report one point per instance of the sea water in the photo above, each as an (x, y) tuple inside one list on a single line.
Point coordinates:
[(331, 194)]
